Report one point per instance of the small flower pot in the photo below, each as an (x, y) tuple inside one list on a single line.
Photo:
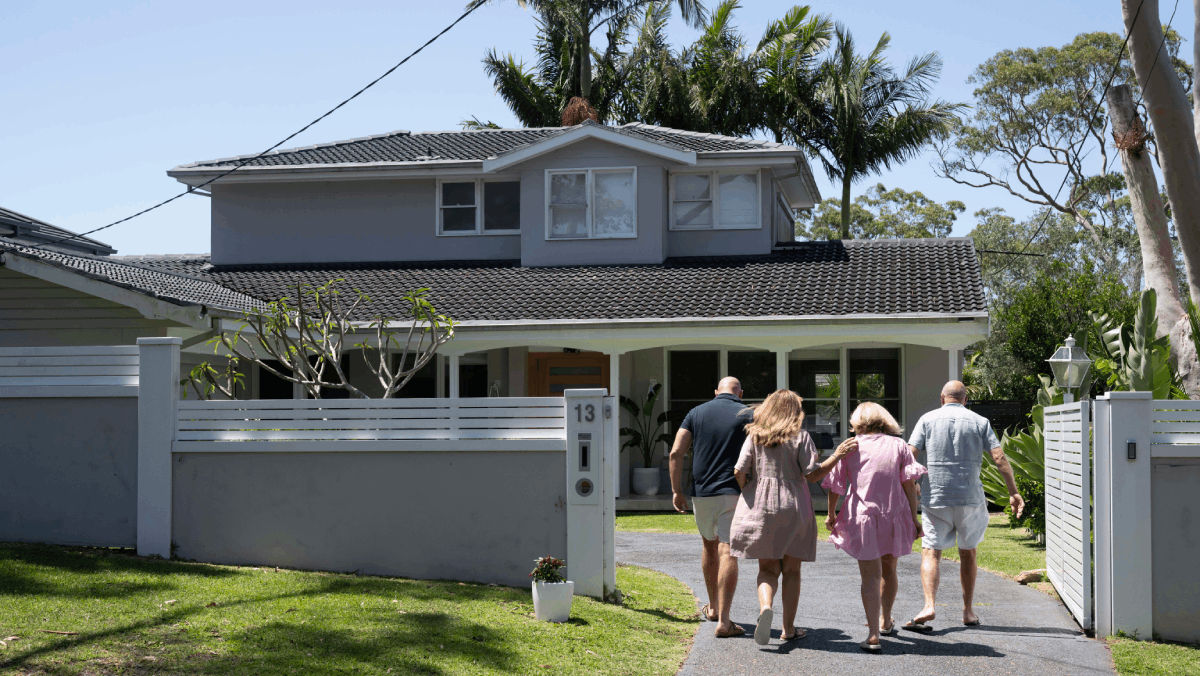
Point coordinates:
[(552, 600), (645, 480)]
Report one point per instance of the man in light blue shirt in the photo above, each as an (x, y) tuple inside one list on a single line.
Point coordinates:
[(951, 442)]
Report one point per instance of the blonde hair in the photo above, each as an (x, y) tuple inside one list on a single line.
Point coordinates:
[(778, 419), (871, 418)]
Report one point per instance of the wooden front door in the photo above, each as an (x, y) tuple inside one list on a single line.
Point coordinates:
[(551, 373)]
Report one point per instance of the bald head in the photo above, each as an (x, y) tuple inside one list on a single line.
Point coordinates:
[(730, 385), (954, 391)]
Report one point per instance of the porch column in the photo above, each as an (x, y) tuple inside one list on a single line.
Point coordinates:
[(439, 382), (955, 361), (454, 376), (781, 369), (613, 437)]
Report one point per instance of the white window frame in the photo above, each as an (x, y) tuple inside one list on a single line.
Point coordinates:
[(479, 206), (715, 190), (591, 198)]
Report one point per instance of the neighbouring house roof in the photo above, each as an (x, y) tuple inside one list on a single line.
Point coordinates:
[(807, 279), (22, 229), (471, 145)]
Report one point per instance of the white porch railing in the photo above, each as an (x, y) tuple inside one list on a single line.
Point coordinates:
[(88, 371), (537, 423)]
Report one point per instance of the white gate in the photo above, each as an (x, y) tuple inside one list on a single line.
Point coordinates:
[(1068, 506)]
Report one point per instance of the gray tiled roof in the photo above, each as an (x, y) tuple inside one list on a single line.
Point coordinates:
[(23, 229), (467, 145), (810, 278), (163, 282)]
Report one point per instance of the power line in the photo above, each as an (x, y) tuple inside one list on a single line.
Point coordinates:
[(244, 162), (1009, 253)]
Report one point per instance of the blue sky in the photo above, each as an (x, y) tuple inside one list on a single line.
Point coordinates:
[(101, 99)]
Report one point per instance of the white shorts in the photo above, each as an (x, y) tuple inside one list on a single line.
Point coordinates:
[(714, 516), (947, 526)]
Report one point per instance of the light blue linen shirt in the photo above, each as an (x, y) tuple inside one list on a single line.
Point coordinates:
[(952, 440)]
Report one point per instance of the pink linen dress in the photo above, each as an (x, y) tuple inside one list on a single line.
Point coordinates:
[(774, 515), (875, 518)]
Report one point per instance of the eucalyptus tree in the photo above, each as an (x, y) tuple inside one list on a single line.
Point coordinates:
[(581, 18), (881, 213), (871, 117)]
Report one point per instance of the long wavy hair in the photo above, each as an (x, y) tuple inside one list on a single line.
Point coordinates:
[(778, 419)]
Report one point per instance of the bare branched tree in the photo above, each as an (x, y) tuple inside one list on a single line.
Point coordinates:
[(302, 342)]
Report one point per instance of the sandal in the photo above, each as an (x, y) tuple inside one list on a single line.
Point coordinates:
[(734, 630), (797, 634), (704, 609), (871, 647), (762, 630), (919, 627), (889, 631)]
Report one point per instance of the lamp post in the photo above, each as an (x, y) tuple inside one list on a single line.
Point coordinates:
[(1070, 365)]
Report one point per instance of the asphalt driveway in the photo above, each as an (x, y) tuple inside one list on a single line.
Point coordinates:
[(1023, 631)]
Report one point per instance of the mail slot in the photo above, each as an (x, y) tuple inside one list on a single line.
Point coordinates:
[(585, 452)]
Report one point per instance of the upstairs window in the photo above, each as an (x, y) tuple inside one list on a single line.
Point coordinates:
[(479, 207), (715, 200), (591, 204)]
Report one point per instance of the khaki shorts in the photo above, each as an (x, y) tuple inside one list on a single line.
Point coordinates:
[(946, 526), (714, 516)]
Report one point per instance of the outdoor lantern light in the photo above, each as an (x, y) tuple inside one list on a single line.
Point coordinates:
[(1070, 365)]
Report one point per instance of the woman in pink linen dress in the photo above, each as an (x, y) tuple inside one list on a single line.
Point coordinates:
[(878, 521), (774, 519)]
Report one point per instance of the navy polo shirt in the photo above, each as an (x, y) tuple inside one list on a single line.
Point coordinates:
[(718, 430)]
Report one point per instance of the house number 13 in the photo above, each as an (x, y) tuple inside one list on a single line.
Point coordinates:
[(579, 413)]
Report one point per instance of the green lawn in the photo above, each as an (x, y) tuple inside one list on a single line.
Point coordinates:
[(1006, 551), (674, 522), (1152, 658), (94, 611)]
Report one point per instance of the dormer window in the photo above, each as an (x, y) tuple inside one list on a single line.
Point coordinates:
[(479, 207), (591, 203), (715, 200)]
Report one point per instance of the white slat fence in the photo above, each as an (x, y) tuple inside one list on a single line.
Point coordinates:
[(369, 424), (88, 371), (1068, 506), (1175, 428)]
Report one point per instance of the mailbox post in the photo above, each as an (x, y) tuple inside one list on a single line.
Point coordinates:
[(591, 493)]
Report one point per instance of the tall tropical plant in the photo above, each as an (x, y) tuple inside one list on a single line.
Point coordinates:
[(786, 64), (581, 18), (1131, 357), (646, 434), (871, 117)]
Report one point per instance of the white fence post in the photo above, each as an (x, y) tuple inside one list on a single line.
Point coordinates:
[(590, 501), (158, 402), (1124, 580)]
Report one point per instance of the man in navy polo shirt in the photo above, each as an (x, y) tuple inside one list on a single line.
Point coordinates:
[(715, 430)]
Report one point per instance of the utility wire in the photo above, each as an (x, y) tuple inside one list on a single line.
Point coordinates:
[(244, 162)]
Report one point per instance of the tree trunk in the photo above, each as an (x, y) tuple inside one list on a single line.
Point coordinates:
[(846, 206), (585, 63), (1158, 255), (1174, 133)]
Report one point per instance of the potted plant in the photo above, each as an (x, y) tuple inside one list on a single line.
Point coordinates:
[(552, 593), (645, 435)]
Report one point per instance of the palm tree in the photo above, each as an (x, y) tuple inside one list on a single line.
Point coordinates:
[(870, 117), (787, 72), (581, 18)]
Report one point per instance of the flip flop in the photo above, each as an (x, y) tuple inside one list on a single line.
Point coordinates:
[(871, 647), (704, 611), (889, 631), (919, 627), (734, 630), (762, 631), (971, 624), (797, 634)]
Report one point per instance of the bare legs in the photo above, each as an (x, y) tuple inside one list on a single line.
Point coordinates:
[(872, 586), (769, 573), (931, 578), (966, 572), (888, 588), (720, 577)]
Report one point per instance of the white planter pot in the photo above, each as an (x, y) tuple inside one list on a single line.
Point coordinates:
[(552, 600), (645, 480)]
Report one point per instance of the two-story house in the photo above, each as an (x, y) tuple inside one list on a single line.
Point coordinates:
[(579, 256)]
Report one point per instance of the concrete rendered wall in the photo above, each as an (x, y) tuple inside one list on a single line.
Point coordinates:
[(455, 515), (69, 470), (1175, 534), (926, 370), (34, 313), (336, 221)]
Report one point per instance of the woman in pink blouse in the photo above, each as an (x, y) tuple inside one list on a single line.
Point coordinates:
[(878, 521)]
